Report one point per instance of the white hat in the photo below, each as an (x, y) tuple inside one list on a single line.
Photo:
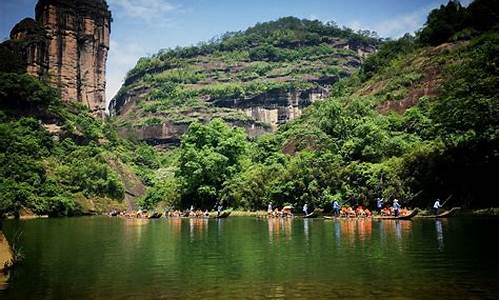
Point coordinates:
[(395, 200)]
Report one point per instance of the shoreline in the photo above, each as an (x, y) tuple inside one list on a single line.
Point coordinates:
[(481, 212)]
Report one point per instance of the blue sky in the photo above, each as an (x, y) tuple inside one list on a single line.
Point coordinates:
[(142, 27)]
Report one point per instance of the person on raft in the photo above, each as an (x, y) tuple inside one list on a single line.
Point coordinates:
[(396, 207), (380, 205), (304, 209), (270, 208), (437, 206), (336, 208), (219, 209)]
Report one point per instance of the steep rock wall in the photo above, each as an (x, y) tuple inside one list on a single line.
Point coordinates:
[(67, 45)]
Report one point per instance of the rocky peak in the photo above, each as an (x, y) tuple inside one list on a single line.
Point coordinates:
[(67, 45)]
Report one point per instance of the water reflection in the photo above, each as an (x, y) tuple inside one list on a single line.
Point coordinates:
[(349, 230), (336, 227), (220, 223), (364, 228), (439, 234), (381, 229), (138, 226), (306, 229), (397, 227), (277, 227), (64, 259), (175, 225), (197, 225)]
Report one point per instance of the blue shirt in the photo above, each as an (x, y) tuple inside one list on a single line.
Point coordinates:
[(396, 205), (336, 205), (379, 203)]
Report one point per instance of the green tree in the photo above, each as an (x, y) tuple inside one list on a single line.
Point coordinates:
[(209, 156)]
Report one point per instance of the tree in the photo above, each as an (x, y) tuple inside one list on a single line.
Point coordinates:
[(442, 23), (210, 155)]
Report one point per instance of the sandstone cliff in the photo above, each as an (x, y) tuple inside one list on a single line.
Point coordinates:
[(67, 45), (257, 79)]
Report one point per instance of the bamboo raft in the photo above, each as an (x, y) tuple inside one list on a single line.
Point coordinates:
[(224, 214), (310, 215), (445, 214), (406, 217)]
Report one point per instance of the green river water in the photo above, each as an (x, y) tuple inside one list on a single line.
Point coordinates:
[(248, 258)]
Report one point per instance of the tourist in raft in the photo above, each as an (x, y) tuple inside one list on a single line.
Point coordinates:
[(380, 205), (396, 207), (336, 208), (437, 206), (304, 209)]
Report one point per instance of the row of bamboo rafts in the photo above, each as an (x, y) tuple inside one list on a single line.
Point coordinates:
[(405, 214), (176, 214)]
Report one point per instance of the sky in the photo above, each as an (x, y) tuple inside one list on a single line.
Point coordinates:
[(142, 27)]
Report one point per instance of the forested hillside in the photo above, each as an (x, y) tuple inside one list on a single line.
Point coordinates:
[(57, 159), (418, 121), (256, 79)]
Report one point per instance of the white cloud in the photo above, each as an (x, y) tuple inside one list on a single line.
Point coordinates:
[(356, 25), (402, 24), (396, 26), (144, 9), (122, 58)]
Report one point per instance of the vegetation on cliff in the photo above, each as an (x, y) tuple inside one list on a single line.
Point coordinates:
[(418, 121), (183, 85), (54, 156)]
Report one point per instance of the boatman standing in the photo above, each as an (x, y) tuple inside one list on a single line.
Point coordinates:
[(396, 207), (336, 208), (219, 209), (437, 206), (270, 208), (380, 204), (304, 209)]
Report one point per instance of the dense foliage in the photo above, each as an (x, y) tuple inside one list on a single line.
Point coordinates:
[(55, 157), (416, 123), (453, 22)]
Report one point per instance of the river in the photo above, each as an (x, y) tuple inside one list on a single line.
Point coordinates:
[(239, 257)]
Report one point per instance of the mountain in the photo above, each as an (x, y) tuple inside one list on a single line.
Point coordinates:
[(256, 79), (57, 154), (418, 121), (415, 120)]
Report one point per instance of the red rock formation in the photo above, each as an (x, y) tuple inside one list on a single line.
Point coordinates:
[(68, 46)]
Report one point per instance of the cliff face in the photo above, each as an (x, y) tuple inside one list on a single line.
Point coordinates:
[(257, 79), (67, 45)]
